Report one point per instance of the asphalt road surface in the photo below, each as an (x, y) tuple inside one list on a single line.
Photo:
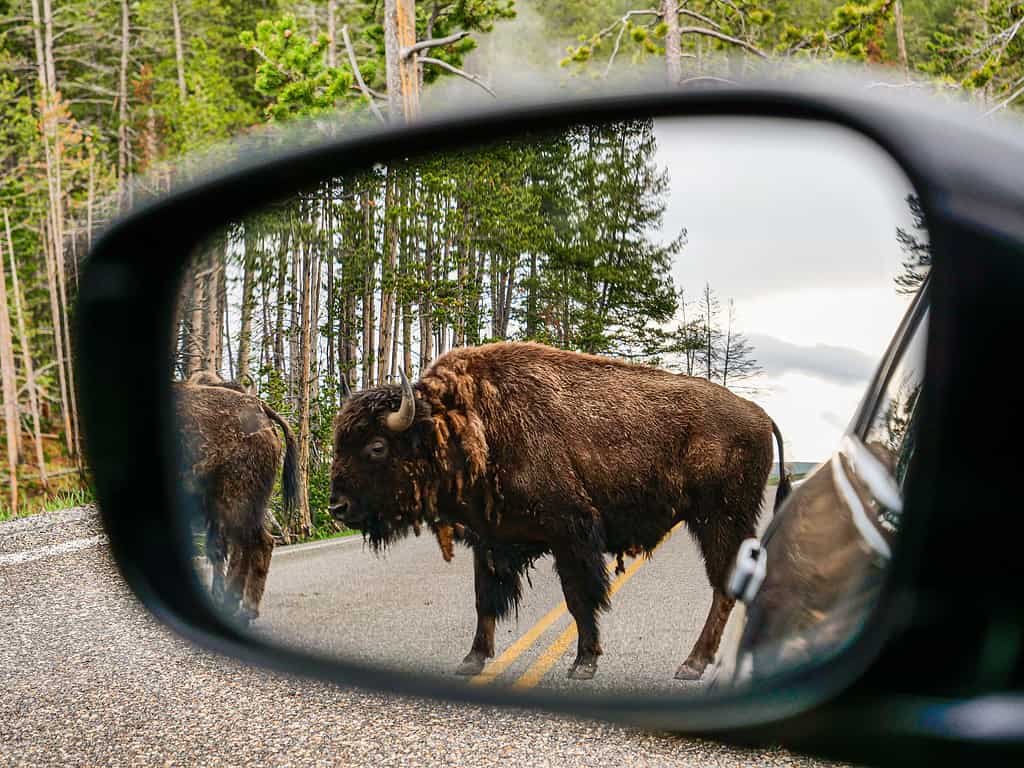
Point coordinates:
[(88, 678), (409, 609)]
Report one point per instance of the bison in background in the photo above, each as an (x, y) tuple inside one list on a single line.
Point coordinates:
[(230, 454), (528, 450)]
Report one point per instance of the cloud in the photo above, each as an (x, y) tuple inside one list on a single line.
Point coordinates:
[(842, 365), (835, 420)]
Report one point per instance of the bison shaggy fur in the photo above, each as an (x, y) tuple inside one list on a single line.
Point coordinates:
[(229, 456)]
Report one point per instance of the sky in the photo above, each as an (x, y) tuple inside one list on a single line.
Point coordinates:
[(796, 222)]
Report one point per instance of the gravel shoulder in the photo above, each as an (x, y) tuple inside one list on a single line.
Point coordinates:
[(88, 678)]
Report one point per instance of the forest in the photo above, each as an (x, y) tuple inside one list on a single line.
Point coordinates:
[(104, 101), (551, 238)]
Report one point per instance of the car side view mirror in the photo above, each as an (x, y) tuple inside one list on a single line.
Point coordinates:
[(661, 408)]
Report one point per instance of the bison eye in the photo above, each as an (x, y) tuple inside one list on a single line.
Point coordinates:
[(376, 449)]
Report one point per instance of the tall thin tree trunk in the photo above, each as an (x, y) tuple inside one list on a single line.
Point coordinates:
[(396, 331), (294, 320), (332, 42), (26, 356), (91, 196), (531, 299), (387, 290), (123, 150), (407, 339), (317, 285), (369, 271), (266, 335), (901, 40), (58, 343), (9, 390), (406, 256), (211, 355), (727, 349), (179, 51), (65, 329), (459, 336), (426, 319), (349, 279), (331, 368), (248, 286), (225, 317), (282, 267), (673, 44), (708, 330), (305, 521), (402, 77), (196, 330)]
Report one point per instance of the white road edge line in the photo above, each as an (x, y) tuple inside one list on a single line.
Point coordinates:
[(15, 558), (294, 549)]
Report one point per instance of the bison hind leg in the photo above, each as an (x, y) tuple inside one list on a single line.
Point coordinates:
[(585, 583), (216, 551), (256, 578), (239, 557), (719, 528)]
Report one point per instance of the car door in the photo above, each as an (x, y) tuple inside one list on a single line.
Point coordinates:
[(806, 587)]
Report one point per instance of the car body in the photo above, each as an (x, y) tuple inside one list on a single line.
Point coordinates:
[(822, 559)]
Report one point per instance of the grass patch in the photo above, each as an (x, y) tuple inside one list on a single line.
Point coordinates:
[(792, 477), (322, 533), (65, 499)]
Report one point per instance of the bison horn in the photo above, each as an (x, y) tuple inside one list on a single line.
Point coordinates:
[(345, 388), (401, 420)]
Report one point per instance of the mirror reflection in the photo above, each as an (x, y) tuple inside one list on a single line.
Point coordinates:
[(583, 411)]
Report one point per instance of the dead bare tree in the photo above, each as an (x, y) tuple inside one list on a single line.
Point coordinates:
[(26, 356), (9, 390)]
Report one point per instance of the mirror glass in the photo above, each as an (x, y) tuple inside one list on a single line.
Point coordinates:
[(514, 415)]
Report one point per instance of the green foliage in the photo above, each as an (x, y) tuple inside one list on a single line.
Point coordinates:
[(292, 73)]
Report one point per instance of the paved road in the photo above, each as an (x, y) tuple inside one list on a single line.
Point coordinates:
[(412, 610), (87, 678)]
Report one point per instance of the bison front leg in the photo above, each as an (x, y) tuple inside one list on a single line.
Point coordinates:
[(486, 585), (585, 586), (497, 581)]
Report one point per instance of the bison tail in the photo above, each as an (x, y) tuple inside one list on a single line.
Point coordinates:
[(784, 485), (290, 476)]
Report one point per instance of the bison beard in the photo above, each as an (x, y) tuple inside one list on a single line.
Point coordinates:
[(230, 453), (524, 450)]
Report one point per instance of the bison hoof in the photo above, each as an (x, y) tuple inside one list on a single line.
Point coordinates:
[(583, 670), (247, 615), (689, 671), (473, 664)]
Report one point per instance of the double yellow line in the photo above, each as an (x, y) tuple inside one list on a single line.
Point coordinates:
[(550, 656)]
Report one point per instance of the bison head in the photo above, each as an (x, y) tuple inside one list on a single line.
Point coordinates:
[(382, 440)]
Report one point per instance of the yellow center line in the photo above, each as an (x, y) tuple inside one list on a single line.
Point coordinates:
[(557, 649), (514, 651), (500, 664)]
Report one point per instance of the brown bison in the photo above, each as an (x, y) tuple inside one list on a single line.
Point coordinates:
[(528, 450), (230, 453)]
